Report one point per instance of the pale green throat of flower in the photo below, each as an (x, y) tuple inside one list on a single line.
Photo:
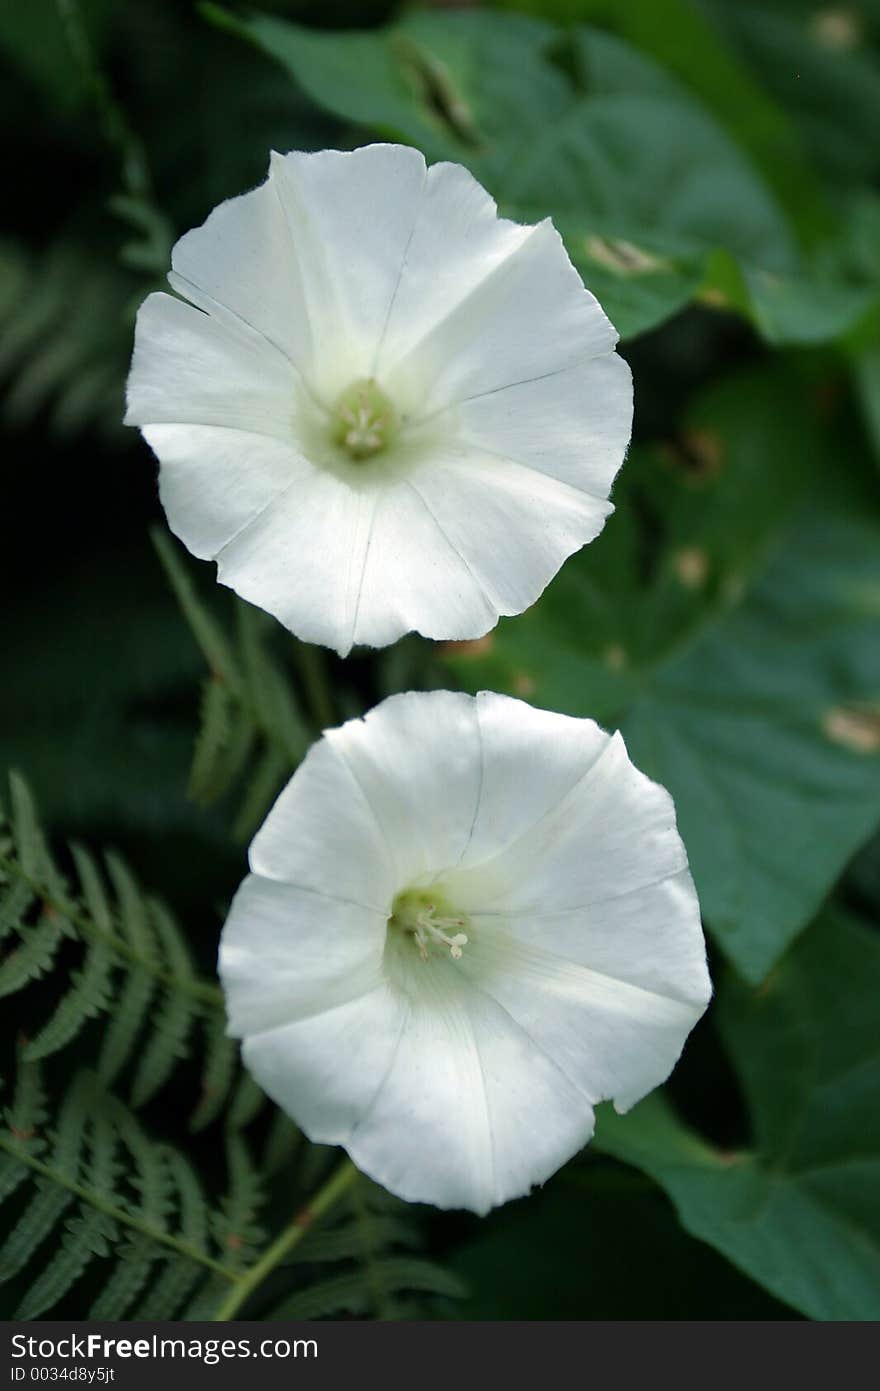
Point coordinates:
[(363, 420), (431, 923)]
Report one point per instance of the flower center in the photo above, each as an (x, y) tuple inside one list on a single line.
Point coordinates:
[(363, 419), (430, 921)]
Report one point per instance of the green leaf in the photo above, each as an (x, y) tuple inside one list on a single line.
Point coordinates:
[(756, 704), (590, 1246), (685, 42), (644, 182), (800, 1212), (635, 153), (819, 66), (450, 84)]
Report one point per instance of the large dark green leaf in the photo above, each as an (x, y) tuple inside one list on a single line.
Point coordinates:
[(800, 1212), (821, 65), (590, 1247), (682, 40), (754, 701), (461, 86), (646, 186)]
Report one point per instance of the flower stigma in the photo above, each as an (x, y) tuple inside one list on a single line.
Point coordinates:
[(430, 922), (363, 419)]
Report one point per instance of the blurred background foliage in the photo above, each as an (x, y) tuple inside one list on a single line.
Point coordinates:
[(714, 168)]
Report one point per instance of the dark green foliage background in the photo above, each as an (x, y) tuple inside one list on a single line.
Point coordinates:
[(715, 169)]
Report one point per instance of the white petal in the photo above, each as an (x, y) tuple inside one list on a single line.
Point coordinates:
[(471, 1112), (322, 834), (434, 1092), (327, 1070), (574, 425), (512, 526), (214, 481), (613, 831), (415, 579), (302, 558), (288, 953), (188, 368), (614, 1039), (351, 217), (242, 260), (650, 937), (416, 758), (457, 241), (531, 761), (466, 538), (529, 318)]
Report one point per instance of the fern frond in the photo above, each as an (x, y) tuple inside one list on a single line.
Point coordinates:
[(261, 790), (283, 1144), (248, 708), (14, 903), (246, 1103), (215, 733), (270, 693), (347, 1241), (94, 1192), (370, 1238), (235, 1228), (137, 1205), (221, 1060), (50, 1201), (89, 996), (133, 958), (137, 1256), (84, 1238), (140, 985), (207, 632), (176, 1015), (348, 1294), (65, 336), (175, 1284), (92, 1231), (34, 955), (24, 1120)]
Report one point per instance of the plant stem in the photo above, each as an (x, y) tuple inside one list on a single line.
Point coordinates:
[(117, 1213), (314, 676), (340, 1180)]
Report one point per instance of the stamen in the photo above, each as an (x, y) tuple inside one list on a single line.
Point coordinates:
[(417, 914), (429, 929), (364, 420)]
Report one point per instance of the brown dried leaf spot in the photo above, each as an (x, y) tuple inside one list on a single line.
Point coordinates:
[(855, 727)]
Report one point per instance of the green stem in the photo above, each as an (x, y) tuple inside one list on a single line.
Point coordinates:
[(314, 675), (118, 1214), (339, 1181)]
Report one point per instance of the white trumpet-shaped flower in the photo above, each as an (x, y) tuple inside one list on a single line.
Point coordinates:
[(383, 407), (468, 921)]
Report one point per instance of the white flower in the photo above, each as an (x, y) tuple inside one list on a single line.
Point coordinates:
[(468, 921), (389, 409)]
